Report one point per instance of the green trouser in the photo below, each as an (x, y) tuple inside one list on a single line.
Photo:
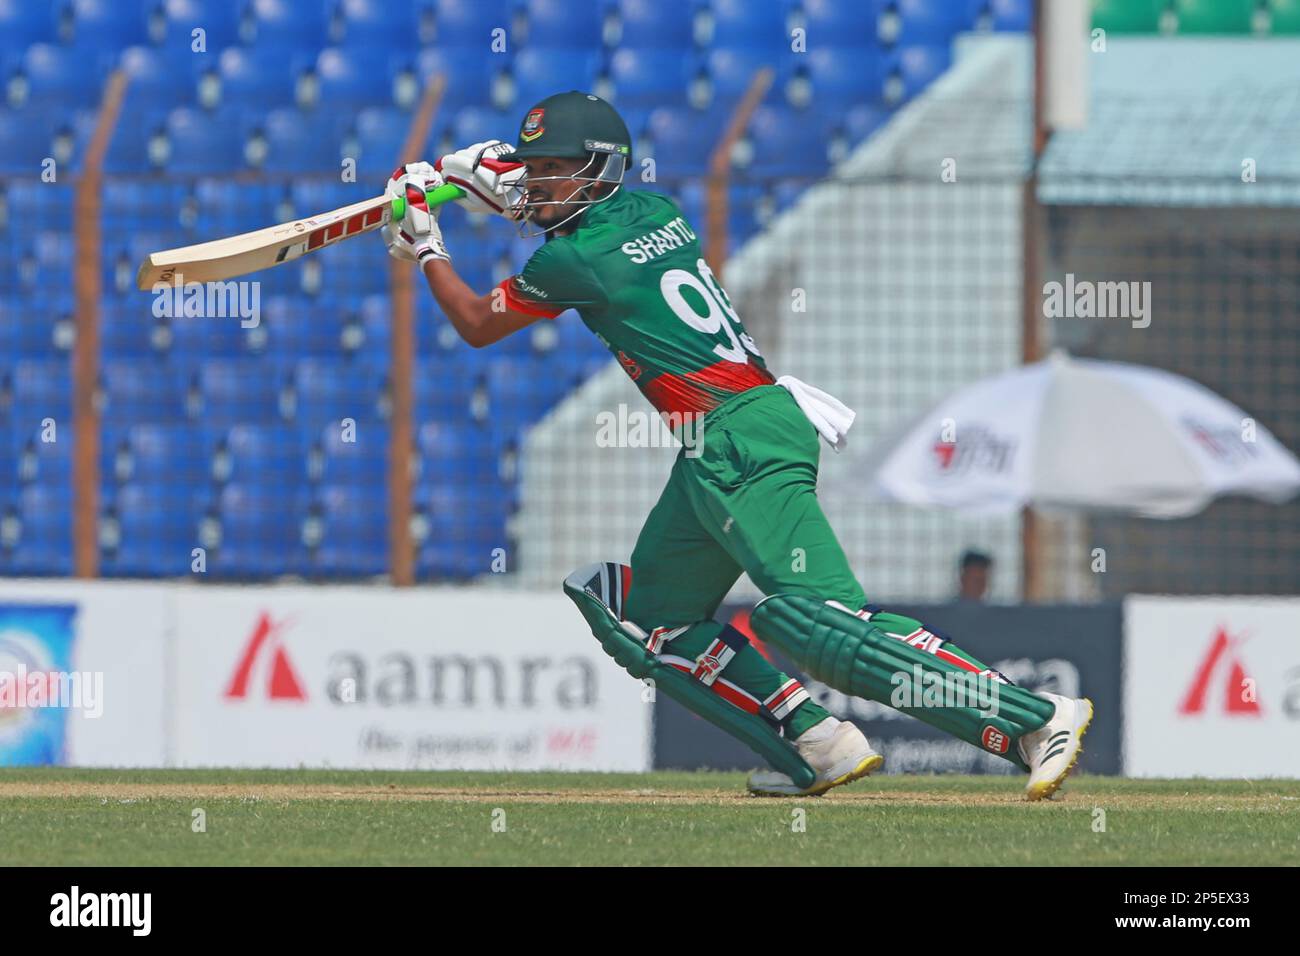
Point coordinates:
[(744, 500)]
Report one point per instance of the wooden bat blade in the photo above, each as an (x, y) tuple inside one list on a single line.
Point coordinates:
[(253, 251)]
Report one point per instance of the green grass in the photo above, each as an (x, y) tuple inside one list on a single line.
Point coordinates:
[(115, 817)]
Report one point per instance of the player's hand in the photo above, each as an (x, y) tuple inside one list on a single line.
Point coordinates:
[(491, 186), (408, 248), (416, 237)]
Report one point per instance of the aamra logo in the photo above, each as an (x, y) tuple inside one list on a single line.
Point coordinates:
[(1238, 689), (977, 449), (264, 654)]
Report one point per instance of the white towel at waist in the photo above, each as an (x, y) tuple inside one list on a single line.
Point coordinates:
[(831, 417)]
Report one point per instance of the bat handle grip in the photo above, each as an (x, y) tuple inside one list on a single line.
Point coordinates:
[(435, 197)]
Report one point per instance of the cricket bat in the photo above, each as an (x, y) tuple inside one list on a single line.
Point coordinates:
[(264, 248)]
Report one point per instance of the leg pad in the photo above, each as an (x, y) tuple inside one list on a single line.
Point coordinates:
[(590, 589), (854, 656)]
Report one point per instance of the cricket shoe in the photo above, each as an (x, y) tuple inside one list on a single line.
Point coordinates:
[(1053, 749), (839, 753)]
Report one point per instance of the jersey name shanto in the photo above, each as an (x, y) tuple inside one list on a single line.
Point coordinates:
[(672, 236)]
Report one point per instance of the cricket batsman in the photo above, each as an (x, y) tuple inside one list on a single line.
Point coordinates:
[(742, 493)]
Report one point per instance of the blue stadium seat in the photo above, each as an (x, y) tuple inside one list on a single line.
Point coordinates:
[(219, 20), (10, 453), (261, 530), (651, 77), (923, 22), (541, 72), (454, 452), (732, 70), (284, 25), (477, 125), (653, 23), (298, 328), (25, 138), (297, 140), (150, 390), (133, 205), (32, 203), (126, 330), (157, 523), (180, 453), (228, 208), (157, 77), (63, 78), (444, 389), (466, 523), (744, 24), (844, 75), (377, 24), (378, 136), (204, 143), (23, 23), (356, 268), (468, 73), (564, 23), (362, 460), (355, 538), (136, 140), (260, 77), (196, 338), (520, 391), (260, 454), (466, 23), (108, 24), (1013, 16), (834, 23), (231, 391), (45, 546), (329, 390), (353, 76), (376, 315), (42, 388), (684, 140), (786, 142), (318, 194), (28, 332), (744, 204)]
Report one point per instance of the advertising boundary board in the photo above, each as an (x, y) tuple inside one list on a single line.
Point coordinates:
[(455, 678)]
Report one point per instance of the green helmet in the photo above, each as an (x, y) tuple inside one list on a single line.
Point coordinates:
[(572, 125)]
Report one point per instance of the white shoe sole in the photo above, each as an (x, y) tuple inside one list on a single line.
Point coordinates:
[(1044, 789), (845, 772)]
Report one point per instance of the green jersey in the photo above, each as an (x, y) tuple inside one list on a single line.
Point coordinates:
[(634, 271)]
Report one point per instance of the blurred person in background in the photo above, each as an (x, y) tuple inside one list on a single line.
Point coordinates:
[(974, 574)]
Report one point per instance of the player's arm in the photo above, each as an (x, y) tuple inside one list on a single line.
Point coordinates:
[(479, 319)]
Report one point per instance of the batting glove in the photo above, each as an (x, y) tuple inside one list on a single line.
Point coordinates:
[(416, 237), (491, 185)]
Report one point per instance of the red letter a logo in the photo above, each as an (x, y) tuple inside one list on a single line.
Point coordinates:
[(1236, 701), (283, 682)]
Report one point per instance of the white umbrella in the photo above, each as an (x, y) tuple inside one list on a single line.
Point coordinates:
[(1079, 434)]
